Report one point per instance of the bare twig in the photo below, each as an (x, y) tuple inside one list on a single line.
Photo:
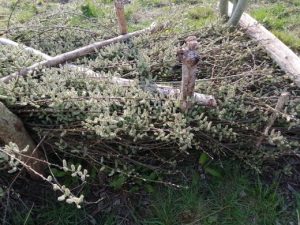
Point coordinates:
[(282, 100)]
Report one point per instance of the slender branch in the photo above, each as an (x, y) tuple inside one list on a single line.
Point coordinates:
[(282, 101)]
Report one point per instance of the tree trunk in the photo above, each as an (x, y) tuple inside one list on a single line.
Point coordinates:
[(120, 13), (12, 130)]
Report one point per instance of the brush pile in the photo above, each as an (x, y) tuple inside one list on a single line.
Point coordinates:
[(137, 133)]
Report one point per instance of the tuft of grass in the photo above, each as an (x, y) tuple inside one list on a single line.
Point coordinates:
[(197, 13), (90, 9), (273, 17), (198, 17)]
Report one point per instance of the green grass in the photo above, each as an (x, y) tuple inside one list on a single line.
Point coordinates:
[(238, 198), (56, 215), (283, 19), (233, 200)]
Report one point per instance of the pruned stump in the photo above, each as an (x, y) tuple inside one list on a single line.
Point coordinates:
[(189, 57)]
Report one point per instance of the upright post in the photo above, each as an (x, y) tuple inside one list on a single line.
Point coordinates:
[(189, 58), (120, 13)]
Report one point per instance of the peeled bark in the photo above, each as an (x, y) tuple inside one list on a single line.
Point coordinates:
[(189, 58), (201, 99), (12, 130)]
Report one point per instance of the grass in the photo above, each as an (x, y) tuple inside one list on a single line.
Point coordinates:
[(238, 198), (235, 199), (283, 19)]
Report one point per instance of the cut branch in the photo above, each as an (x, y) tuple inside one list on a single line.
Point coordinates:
[(201, 99), (189, 58), (278, 51), (282, 101), (120, 13), (12, 130), (62, 58)]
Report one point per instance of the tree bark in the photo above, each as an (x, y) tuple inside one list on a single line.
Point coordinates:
[(189, 58), (223, 7), (120, 13), (278, 51), (12, 130), (201, 99)]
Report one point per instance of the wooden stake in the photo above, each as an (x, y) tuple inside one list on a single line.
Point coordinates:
[(189, 58), (12, 130), (120, 13)]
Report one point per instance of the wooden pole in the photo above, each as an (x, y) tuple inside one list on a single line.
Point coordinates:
[(278, 51), (12, 130), (120, 13), (189, 58), (201, 99)]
